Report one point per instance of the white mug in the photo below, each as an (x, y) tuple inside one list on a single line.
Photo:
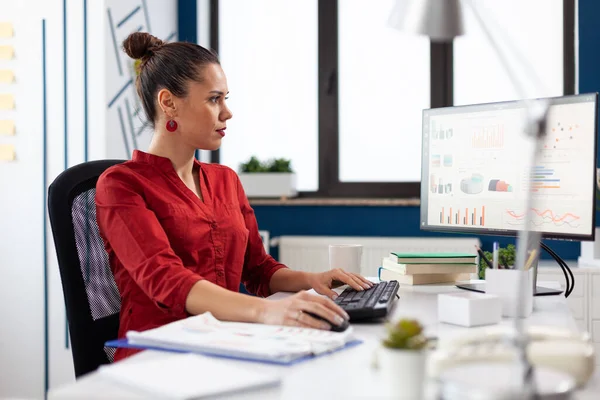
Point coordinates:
[(346, 256)]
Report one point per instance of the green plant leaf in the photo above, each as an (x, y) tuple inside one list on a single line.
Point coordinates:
[(405, 334), (273, 165), (280, 165), (507, 254), (252, 165)]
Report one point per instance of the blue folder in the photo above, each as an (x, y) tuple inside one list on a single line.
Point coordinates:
[(124, 343)]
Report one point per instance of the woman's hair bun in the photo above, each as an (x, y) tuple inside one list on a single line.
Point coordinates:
[(141, 44)]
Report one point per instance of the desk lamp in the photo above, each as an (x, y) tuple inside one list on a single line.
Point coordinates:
[(442, 21)]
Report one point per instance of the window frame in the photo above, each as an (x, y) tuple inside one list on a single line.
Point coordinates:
[(215, 155), (441, 95)]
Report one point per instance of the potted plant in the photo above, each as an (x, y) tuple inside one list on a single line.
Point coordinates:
[(402, 357), (271, 178), (506, 257)]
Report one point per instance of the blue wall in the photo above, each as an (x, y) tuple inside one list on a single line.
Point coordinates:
[(367, 221), (187, 27), (589, 50), (589, 56)]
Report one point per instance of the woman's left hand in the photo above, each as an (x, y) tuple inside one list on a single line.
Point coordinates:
[(323, 282)]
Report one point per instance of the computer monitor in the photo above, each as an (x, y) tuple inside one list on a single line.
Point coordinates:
[(475, 169)]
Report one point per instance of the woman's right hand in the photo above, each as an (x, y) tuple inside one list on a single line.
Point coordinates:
[(293, 311)]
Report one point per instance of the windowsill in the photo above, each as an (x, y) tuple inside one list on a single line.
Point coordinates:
[(315, 201)]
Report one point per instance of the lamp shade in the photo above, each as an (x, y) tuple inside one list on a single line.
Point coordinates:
[(440, 20)]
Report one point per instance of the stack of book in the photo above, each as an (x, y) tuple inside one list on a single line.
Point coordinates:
[(427, 268)]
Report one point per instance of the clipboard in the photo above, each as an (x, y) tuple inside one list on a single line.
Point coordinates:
[(124, 343)]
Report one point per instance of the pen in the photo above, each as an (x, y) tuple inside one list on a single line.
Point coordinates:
[(495, 256), (489, 264), (529, 262)]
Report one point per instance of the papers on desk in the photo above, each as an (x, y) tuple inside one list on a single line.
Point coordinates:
[(269, 343), (185, 376)]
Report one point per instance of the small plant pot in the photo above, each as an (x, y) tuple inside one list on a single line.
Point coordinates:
[(268, 184), (403, 372)]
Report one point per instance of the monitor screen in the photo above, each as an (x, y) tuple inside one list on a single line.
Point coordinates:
[(476, 169)]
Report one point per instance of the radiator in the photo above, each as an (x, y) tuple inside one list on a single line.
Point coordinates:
[(311, 253)]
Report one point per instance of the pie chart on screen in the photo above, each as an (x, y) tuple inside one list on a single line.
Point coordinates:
[(472, 184), (496, 185)]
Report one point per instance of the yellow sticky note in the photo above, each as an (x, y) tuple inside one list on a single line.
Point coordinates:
[(6, 52), (6, 30), (7, 76), (7, 127), (7, 152), (7, 101)]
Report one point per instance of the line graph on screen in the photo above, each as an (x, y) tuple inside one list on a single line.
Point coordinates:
[(543, 218)]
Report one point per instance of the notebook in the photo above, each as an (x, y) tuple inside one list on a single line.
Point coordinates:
[(186, 376), (421, 279), (205, 334), (433, 268), (433, 258)]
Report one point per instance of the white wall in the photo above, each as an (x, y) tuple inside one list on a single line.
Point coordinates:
[(22, 208), (23, 182), (161, 20)]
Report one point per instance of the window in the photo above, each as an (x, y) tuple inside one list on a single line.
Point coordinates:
[(373, 150), (328, 84), (535, 32), (268, 49), (383, 87)]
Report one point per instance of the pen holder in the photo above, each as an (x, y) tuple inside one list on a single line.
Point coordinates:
[(504, 283)]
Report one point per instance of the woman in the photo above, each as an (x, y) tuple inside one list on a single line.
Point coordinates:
[(180, 234)]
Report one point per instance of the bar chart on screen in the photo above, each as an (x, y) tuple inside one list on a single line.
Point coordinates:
[(441, 133), (488, 137), (467, 216), (543, 177)]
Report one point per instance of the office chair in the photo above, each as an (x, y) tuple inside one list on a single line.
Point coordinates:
[(91, 295)]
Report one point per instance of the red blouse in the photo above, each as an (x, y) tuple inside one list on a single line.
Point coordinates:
[(161, 238)]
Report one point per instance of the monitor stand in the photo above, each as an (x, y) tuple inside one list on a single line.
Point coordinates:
[(539, 290)]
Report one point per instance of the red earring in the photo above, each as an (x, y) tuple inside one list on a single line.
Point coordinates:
[(171, 125)]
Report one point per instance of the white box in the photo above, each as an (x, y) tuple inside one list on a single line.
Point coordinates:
[(469, 308), (504, 283)]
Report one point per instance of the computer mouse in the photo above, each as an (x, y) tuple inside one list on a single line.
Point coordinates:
[(334, 328)]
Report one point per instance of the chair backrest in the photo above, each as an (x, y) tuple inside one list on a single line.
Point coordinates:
[(91, 295)]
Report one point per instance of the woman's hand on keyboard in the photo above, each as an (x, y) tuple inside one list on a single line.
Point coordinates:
[(323, 282), (294, 311)]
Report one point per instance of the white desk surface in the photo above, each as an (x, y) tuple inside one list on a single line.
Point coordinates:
[(348, 373)]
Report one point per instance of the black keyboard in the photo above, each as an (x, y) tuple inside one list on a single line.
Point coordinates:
[(372, 303)]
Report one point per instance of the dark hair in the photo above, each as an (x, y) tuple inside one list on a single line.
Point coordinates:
[(165, 66)]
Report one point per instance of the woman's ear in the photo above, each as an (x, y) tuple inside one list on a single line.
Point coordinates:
[(166, 102)]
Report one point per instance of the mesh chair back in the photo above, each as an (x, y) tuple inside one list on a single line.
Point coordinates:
[(102, 293), (91, 295)]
